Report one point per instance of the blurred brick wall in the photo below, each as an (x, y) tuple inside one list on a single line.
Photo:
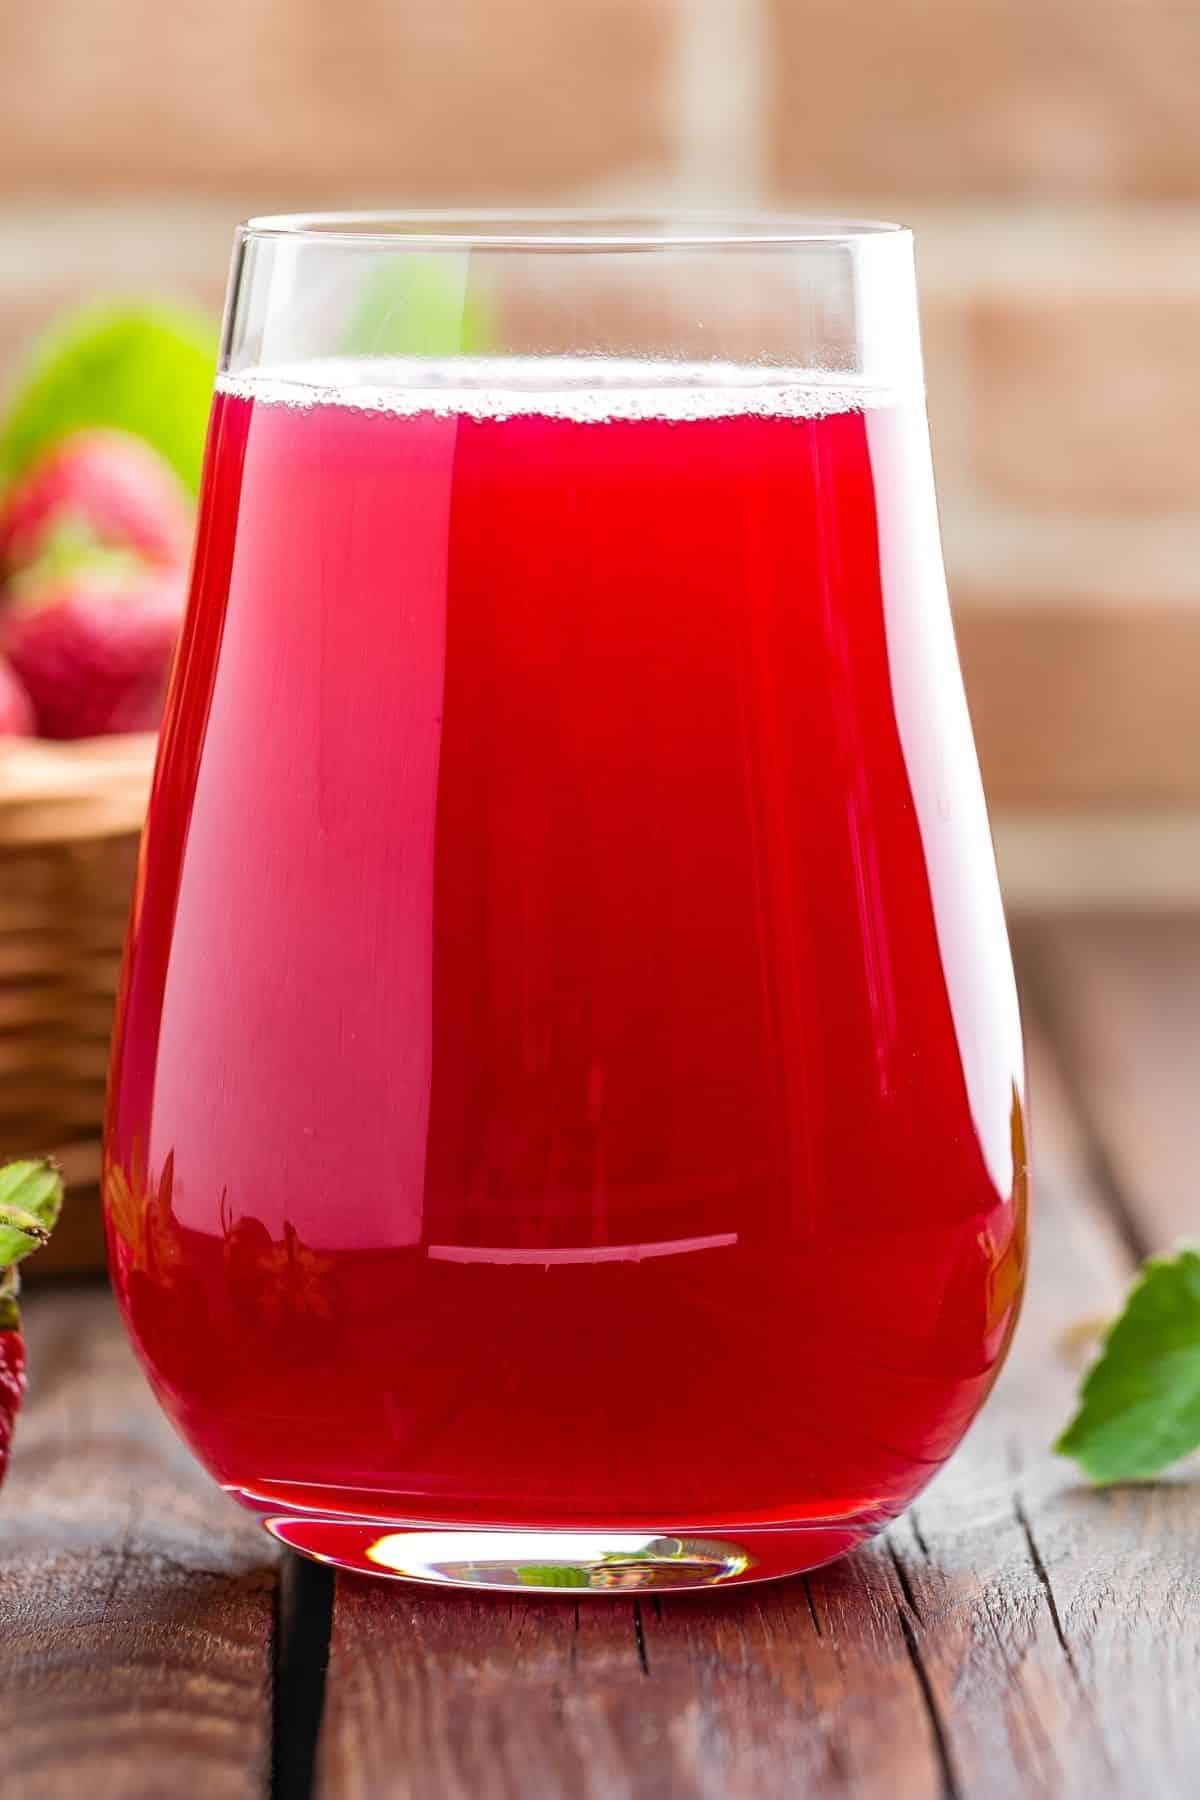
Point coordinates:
[(1048, 152)]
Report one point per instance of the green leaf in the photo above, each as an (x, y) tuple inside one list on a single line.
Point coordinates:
[(418, 306), (31, 1195), (1139, 1406), (147, 370), (551, 1575)]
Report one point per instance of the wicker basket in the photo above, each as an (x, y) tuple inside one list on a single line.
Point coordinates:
[(70, 815)]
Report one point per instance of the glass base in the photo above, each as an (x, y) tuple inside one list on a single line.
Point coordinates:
[(595, 1561)]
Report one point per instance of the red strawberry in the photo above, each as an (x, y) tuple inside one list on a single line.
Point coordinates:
[(94, 648), (30, 1200), (99, 487), (16, 708), (12, 1382)]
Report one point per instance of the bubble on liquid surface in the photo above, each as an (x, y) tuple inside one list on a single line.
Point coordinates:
[(579, 389)]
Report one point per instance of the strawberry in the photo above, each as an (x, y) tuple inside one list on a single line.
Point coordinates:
[(98, 488), (12, 1376), (30, 1200), (93, 647), (16, 708)]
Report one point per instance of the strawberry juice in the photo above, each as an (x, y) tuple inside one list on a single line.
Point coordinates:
[(568, 1074)]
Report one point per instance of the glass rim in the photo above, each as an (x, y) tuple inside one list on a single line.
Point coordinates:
[(577, 230)]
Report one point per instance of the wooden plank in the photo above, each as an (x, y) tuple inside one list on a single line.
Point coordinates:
[(138, 1602), (1006, 1638), (437, 1695), (1043, 1604), (1124, 997)]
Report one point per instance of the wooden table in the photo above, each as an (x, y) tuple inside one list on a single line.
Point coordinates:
[(1013, 1634)]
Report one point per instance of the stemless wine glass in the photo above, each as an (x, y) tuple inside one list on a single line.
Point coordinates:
[(566, 1124)]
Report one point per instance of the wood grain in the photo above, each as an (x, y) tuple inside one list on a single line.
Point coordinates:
[(1123, 995), (137, 1602), (457, 1695), (1043, 1605), (1015, 1634)]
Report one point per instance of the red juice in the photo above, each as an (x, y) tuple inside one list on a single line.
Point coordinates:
[(568, 1070)]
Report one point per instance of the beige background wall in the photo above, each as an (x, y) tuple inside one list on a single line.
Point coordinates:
[(1048, 152)]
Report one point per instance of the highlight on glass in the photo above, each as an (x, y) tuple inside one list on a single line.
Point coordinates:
[(566, 1124)]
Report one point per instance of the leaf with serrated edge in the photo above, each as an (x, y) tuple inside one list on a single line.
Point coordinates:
[(1139, 1405), (31, 1196)]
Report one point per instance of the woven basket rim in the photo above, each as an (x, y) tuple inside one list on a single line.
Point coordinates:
[(63, 792)]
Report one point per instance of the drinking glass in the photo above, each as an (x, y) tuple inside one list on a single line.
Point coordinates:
[(566, 1126)]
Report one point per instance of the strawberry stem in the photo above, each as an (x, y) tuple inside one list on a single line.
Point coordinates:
[(10, 1312)]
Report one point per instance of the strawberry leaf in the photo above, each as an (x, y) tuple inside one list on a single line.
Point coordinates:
[(147, 370), (1139, 1407), (31, 1196)]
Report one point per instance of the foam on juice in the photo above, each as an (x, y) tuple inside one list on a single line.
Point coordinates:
[(582, 390)]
